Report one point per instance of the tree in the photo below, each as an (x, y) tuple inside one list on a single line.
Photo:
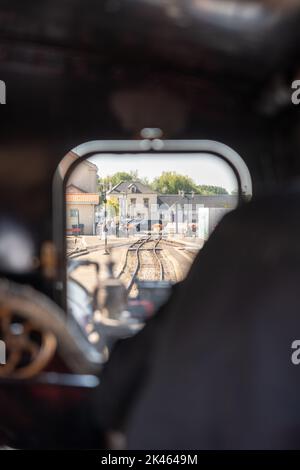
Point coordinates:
[(116, 178), (170, 182), (113, 206), (208, 190)]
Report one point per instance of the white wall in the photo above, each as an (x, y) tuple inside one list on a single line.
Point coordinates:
[(86, 217)]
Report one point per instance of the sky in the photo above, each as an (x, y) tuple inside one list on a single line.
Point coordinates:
[(203, 168)]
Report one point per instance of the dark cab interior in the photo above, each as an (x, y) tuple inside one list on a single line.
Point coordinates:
[(189, 72)]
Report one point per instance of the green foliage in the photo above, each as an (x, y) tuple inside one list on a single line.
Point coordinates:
[(116, 178), (171, 182), (113, 203), (207, 190)]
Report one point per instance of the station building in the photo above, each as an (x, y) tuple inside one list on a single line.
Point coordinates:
[(136, 200), (82, 198)]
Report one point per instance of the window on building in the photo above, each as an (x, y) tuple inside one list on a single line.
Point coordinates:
[(133, 202), (146, 202), (73, 212)]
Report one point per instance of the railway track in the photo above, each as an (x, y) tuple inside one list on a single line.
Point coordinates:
[(158, 260), (137, 247), (144, 261)]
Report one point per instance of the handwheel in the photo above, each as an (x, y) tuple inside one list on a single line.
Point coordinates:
[(33, 328), (28, 348)]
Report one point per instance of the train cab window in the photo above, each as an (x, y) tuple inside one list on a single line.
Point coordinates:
[(134, 222)]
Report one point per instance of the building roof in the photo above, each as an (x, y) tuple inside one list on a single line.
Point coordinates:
[(134, 187), (82, 198), (220, 200)]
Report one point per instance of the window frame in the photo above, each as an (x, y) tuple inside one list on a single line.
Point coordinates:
[(144, 146)]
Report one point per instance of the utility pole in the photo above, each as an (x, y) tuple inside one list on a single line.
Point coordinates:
[(189, 197), (78, 222), (126, 214), (104, 199)]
